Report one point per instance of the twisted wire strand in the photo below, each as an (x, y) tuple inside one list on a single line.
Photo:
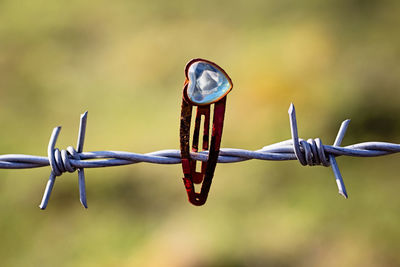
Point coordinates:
[(309, 152), (283, 152)]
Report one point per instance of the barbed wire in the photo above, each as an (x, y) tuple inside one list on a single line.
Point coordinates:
[(311, 152)]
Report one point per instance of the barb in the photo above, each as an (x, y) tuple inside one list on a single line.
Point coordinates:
[(311, 152)]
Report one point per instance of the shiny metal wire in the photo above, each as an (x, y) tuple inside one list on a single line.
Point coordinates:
[(311, 152)]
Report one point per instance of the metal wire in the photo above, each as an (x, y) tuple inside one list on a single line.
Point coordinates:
[(311, 152)]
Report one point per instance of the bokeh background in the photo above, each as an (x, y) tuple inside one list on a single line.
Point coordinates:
[(123, 61)]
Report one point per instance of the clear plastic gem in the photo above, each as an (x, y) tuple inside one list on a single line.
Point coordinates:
[(207, 84)]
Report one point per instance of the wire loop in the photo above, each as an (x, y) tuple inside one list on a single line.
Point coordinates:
[(312, 153), (62, 162)]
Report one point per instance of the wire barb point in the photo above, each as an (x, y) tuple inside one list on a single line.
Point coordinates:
[(79, 148), (335, 167)]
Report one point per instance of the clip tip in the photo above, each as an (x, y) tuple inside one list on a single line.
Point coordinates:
[(84, 114)]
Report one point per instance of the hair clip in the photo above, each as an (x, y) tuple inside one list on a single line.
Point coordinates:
[(206, 84)]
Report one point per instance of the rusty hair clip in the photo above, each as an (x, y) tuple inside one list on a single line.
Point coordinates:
[(206, 84)]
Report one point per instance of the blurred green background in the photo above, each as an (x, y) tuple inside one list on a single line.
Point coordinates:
[(123, 61)]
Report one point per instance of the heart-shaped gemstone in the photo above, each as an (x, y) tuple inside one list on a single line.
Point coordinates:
[(207, 83)]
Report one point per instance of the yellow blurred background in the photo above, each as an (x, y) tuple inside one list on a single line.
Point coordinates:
[(123, 61)]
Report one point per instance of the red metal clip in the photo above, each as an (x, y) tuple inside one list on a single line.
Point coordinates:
[(206, 84)]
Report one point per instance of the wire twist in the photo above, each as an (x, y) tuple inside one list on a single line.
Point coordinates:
[(311, 153)]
